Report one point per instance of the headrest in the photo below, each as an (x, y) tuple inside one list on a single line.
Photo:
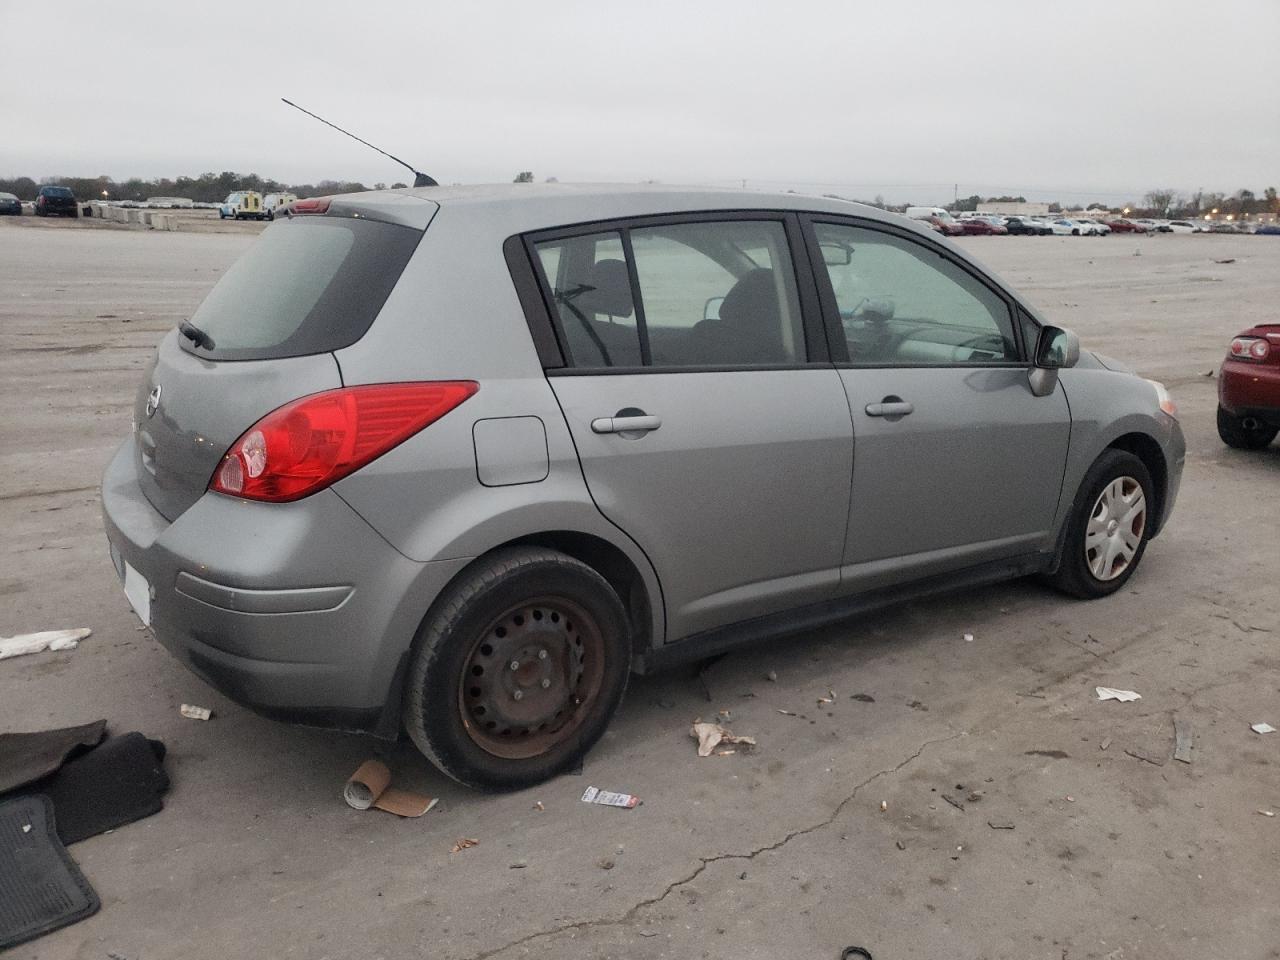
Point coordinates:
[(610, 290), (753, 297)]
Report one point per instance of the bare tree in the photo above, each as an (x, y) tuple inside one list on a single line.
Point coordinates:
[(1160, 200)]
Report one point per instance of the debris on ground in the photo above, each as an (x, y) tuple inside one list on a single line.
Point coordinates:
[(1267, 813), (518, 865), (27, 757), (884, 805), (370, 786), (900, 845), (1182, 739), (1227, 260), (772, 676), (1000, 824), (463, 843), (1262, 728), (968, 638), (604, 863), (1145, 758), (849, 952), (1105, 743), (1111, 693), (863, 698), (711, 735), (789, 713), (829, 698), (537, 805), (953, 801), (605, 798), (192, 712), (25, 643)]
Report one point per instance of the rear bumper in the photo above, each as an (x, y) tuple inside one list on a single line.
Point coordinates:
[(299, 611), (1250, 390)]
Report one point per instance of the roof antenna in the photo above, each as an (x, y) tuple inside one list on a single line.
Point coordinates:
[(419, 179)]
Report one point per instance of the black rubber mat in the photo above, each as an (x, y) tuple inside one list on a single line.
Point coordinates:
[(26, 757), (118, 783), (41, 888)]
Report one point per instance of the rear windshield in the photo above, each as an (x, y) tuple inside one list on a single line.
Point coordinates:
[(57, 192), (308, 285)]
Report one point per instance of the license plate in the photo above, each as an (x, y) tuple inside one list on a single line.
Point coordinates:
[(138, 591)]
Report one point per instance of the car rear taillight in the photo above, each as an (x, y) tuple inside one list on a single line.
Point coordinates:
[(315, 441), (310, 205), (1249, 348)]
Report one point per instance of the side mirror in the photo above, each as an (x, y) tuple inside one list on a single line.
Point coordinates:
[(711, 309), (1057, 349), (837, 254)]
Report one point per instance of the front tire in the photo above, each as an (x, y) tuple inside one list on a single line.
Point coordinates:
[(1109, 527), (518, 669), (1236, 434)]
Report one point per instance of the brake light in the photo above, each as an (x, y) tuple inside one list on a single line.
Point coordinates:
[(1249, 348), (311, 205), (315, 441)]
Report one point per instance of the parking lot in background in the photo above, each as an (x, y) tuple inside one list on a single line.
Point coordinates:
[(1073, 834)]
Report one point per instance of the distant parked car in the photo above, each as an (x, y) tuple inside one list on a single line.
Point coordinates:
[(1025, 226), (56, 202), (1181, 226), (1102, 228), (979, 227), (1270, 229), (1249, 388), (1063, 227), (1121, 225), (10, 205)]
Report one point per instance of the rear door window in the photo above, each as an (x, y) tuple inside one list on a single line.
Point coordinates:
[(309, 285)]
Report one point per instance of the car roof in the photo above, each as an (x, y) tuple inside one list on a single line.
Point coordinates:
[(7, 196), (531, 206)]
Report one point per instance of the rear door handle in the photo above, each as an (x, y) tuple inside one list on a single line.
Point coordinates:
[(625, 424), (890, 407)]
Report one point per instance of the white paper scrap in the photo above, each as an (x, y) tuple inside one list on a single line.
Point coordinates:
[(1111, 693), (1262, 728), (45, 640)]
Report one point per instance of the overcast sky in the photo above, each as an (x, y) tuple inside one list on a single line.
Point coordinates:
[(1065, 100)]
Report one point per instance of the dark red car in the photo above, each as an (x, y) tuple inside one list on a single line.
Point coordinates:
[(1118, 225), (1249, 389), (981, 228), (948, 228)]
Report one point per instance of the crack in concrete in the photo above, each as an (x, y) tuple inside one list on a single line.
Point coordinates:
[(705, 862)]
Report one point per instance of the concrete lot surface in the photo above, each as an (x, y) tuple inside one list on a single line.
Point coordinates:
[(1116, 851)]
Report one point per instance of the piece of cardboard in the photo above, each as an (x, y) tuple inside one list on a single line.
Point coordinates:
[(370, 786)]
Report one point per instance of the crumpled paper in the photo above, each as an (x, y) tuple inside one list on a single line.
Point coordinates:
[(711, 735)]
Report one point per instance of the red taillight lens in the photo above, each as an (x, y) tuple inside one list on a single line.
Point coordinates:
[(1249, 348), (311, 205), (310, 443)]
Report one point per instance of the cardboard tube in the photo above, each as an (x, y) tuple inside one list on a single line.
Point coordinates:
[(370, 786)]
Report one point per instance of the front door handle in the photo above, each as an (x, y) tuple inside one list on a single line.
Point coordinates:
[(890, 407), (640, 424)]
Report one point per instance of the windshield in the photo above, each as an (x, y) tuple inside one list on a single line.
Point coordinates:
[(308, 285), (62, 192)]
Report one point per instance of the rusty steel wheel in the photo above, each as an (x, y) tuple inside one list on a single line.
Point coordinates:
[(517, 668), (531, 677)]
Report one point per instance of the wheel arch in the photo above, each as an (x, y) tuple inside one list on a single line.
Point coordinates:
[(1147, 449)]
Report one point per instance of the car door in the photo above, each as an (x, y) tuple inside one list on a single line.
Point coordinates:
[(711, 427), (956, 460)]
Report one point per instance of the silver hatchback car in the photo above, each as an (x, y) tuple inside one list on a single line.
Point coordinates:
[(458, 460)]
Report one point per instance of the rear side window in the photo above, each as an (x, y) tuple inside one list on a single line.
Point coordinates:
[(309, 285), (708, 293)]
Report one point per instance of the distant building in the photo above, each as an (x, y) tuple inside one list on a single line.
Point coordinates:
[(1015, 209)]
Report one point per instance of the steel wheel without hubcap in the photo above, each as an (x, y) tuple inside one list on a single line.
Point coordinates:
[(1114, 531), (531, 678)]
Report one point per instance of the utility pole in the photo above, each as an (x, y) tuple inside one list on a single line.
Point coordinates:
[(955, 194)]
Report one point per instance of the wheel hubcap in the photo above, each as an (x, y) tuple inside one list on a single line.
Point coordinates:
[(530, 678), (1114, 532)]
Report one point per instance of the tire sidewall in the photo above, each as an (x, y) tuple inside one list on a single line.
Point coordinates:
[(1074, 568), (433, 717)]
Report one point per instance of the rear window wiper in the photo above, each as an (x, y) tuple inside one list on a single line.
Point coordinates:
[(195, 335)]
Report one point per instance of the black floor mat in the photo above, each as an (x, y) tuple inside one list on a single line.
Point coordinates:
[(26, 757), (119, 782), (41, 888)]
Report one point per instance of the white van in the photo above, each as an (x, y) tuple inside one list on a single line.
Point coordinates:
[(273, 200), (924, 213)]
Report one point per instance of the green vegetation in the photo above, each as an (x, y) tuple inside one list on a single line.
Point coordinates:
[(208, 187)]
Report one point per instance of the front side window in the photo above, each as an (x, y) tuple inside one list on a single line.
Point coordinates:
[(710, 294), (902, 303)]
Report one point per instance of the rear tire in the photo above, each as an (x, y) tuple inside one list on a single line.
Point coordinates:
[(517, 670), (1110, 524), (1235, 434)]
